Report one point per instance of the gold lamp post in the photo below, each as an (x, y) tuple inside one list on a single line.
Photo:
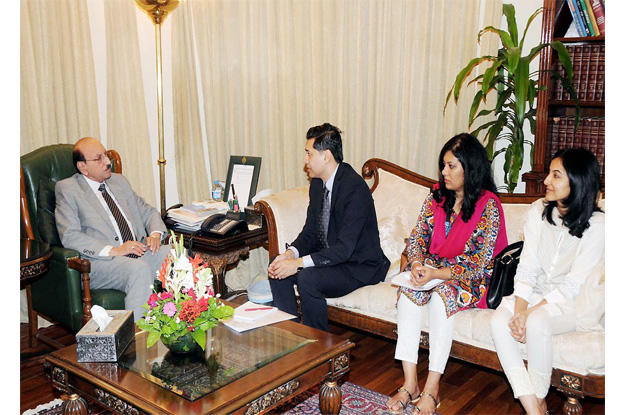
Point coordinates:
[(158, 10)]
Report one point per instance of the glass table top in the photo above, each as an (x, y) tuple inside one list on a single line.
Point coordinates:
[(229, 355)]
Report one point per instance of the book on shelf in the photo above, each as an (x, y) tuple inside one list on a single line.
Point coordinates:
[(593, 19), (599, 13), (581, 5), (577, 18), (590, 135), (588, 61)]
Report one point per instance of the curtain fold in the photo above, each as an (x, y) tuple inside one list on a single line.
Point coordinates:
[(127, 124), (378, 69), (57, 79), (192, 161)]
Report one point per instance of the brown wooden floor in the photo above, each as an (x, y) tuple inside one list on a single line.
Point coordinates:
[(465, 388)]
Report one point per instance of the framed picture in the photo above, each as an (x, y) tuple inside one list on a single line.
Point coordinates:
[(242, 179)]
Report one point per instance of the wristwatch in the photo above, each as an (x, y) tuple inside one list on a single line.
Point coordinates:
[(300, 263)]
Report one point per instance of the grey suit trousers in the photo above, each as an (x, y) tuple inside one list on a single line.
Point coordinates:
[(134, 276)]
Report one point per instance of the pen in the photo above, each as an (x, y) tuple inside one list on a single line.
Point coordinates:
[(234, 195), (258, 308)]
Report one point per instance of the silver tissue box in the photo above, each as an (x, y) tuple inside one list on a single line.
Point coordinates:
[(93, 345)]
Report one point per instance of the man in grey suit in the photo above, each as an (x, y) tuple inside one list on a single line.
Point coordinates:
[(100, 216)]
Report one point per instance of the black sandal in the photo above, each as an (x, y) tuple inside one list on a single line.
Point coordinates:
[(404, 405)]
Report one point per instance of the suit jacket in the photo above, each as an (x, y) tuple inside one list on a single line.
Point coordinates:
[(353, 236), (84, 224)]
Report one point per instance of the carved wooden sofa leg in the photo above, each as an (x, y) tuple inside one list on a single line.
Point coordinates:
[(572, 405)]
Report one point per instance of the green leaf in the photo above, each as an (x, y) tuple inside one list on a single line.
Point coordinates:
[(488, 76), (508, 11), (506, 40), (479, 96), (153, 337), (200, 337), (462, 75), (529, 22), (521, 81), (564, 57), (514, 56)]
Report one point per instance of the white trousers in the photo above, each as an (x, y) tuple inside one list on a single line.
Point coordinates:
[(409, 318), (539, 330)]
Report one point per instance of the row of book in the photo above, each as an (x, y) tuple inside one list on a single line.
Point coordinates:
[(590, 135), (588, 62), (588, 17)]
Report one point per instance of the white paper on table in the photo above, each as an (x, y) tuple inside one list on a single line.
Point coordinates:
[(242, 175), (251, 311), (274, 317), (403, 280)]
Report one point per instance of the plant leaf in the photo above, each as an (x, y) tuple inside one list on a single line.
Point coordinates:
[(508, 11), (153, 337), (521, 83), (529, 22), (200, 337), (489, 73), (506, 40)]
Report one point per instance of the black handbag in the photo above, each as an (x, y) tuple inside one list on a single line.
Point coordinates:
[(504, 270)]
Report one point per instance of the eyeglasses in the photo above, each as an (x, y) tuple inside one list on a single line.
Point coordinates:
[(101, 158)]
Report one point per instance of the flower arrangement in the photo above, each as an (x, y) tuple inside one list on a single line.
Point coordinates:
[(187, 304)]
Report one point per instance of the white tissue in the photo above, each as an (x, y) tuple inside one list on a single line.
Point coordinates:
[(100, 316)]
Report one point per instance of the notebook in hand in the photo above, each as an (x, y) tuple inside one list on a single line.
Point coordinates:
[(251, 311), (403, 280)]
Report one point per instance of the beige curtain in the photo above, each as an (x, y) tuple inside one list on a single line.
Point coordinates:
[(192, 164), (127, 124), (57, 82), (379, 70)]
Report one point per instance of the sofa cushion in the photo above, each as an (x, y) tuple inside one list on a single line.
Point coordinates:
[(578, 352), (397, 206)]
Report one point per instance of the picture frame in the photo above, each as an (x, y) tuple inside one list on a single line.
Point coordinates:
[(243, 173)]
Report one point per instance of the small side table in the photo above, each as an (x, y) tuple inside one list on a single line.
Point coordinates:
[(34, 263), (221, 252)]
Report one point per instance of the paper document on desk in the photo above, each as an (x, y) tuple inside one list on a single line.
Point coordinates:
[(251, 311), (273, 317), (403, 280)]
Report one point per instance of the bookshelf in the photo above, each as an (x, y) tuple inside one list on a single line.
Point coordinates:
[(555, 117)]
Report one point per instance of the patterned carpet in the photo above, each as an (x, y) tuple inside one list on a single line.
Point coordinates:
[(357, 400)]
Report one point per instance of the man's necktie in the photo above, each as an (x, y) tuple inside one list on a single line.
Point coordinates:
[(324, 218), (124, 229)]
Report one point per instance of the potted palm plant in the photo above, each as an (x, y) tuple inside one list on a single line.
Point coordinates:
[(517, 90)]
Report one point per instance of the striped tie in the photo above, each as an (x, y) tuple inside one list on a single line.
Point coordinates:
[(119, 218)]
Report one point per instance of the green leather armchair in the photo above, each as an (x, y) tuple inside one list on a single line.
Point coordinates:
[(59, 295)]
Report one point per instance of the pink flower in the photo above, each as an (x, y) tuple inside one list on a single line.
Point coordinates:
[(169, 309), (152, 300), (165, 295)]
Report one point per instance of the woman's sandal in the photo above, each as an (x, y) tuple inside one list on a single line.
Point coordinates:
[(403, 404), (436, 403)]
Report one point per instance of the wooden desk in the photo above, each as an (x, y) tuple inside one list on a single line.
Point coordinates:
[(221, 252), (320, 357), (34, 263)]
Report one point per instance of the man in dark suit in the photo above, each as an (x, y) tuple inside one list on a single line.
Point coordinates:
[(100, 216), (338, 250)]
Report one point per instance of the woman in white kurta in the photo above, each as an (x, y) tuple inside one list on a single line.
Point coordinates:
[(564, 241)]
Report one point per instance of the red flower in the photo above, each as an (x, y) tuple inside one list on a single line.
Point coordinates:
[(152, 300), (192, 293), (203, 303), (163, 271), (189, 310), (196, 261), (165, 295)]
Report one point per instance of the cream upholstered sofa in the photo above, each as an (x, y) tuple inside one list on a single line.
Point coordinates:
[(578, 357)]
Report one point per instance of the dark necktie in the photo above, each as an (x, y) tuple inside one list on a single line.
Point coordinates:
[(324, 218), (119, 218)]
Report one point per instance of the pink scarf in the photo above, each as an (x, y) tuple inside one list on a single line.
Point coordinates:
[(453, 245)]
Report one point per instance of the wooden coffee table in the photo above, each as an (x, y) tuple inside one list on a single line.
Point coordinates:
[(240, 373)]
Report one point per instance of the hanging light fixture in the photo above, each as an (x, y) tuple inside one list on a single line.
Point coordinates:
[(158, 10)]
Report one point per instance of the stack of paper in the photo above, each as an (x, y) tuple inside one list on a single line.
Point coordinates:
[(247, 317), (190, 217)]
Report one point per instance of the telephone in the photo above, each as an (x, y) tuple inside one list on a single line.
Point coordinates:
[(224, 224)]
